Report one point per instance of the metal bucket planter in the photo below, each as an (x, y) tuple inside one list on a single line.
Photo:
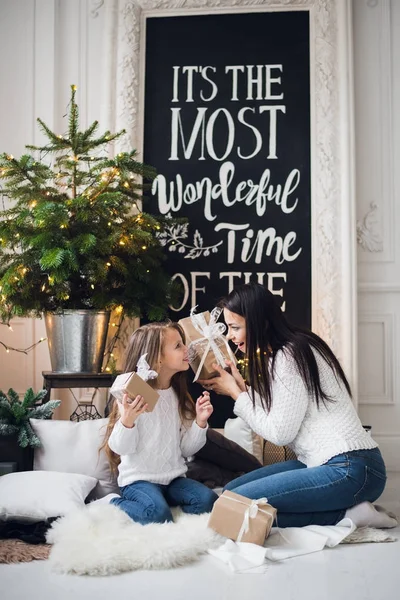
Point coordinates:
[(77, 340)]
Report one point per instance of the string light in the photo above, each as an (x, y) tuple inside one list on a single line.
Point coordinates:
[(9, 349), (109, 354)]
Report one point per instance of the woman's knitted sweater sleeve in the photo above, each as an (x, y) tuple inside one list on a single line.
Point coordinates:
[(290, 400)]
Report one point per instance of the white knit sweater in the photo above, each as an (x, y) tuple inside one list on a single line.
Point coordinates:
[(154, 450), (314, 434)]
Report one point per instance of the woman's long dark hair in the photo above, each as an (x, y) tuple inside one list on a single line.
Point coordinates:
[(267, 332)]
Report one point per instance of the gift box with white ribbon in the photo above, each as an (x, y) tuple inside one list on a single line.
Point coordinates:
[(206, 342), (133, 385), (242, 519)]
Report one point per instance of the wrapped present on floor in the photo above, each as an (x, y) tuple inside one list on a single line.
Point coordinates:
[(242, 519), (134, 384), (206, 342)]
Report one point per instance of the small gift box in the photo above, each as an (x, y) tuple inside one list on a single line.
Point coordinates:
[(206, 342), (242, 519), (134, 385)]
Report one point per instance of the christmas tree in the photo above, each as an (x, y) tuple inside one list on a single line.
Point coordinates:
[(74, 236)]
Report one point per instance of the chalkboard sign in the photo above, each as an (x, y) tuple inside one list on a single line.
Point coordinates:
[(227, 127)]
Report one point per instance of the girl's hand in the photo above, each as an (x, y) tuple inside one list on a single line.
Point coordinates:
[(204, 409), (130, 409), (226, 383)]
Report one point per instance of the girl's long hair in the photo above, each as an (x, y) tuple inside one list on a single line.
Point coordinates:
[(267, 332), (150, 339)]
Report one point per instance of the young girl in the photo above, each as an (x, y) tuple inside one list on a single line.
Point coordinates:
[(149, 448), (298, 395)]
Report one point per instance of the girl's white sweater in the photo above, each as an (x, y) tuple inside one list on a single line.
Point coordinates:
[(314, 434), (154, 450)]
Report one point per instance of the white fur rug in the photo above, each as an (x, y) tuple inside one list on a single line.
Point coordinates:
[(103, 540), (100, 539)]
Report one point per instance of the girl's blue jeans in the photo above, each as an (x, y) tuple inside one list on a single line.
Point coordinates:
[(147, 502), (316, 495)]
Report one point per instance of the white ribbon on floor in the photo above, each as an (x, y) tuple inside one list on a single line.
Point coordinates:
[(245, 558)]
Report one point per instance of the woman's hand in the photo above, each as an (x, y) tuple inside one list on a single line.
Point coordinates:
[(130, 409), (204, 409), (236, 375), (226, 384)]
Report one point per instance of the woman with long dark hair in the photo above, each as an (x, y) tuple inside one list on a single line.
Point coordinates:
[(296, 394)]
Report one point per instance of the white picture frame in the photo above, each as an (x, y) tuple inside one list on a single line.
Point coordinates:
[(334, 292)]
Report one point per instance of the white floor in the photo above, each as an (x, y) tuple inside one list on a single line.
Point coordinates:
[(348, 572)]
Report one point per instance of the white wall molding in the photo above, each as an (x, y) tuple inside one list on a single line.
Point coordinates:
[(367, 235), (379, 288), (95, 6), (371, 358), (377, 243)]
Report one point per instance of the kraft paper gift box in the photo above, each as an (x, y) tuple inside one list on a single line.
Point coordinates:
[(206, 342), (242, 519), (133, 385)]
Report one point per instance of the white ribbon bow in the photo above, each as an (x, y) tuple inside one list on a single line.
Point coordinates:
[(250, 513), (143, 369), (210, 332)]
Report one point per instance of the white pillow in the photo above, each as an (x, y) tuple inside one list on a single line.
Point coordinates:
[(238, 431), (71, 447), (39, 495)]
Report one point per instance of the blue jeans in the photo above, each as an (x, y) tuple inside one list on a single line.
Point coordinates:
[(316, 495), (147, 502)]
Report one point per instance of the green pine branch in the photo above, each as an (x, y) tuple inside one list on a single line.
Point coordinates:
[(15, 415)]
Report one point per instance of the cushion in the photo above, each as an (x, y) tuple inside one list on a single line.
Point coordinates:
[(211, 475), (40, 495), (238, 431), (220, 460), (73, 447)]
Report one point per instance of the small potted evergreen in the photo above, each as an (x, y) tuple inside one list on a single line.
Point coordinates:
[(17, 438)]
